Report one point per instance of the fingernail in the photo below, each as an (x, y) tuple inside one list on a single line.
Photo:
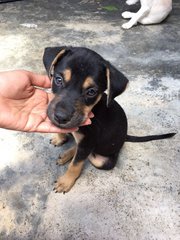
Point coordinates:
[(91, 115), (88, 121)]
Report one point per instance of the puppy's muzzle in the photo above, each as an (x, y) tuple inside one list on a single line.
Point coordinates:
[(61, 116), (64, 114)]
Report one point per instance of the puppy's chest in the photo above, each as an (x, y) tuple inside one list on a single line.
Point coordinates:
[(78, 136)]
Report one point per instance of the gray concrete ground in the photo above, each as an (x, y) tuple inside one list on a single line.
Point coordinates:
[(139, 198)]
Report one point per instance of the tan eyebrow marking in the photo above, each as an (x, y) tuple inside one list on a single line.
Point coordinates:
[(88, 82), (67, 74)]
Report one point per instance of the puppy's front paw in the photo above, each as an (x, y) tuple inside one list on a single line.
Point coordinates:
[(66, 156), (127, 26), (64, 183), (62, 160), (59, 139)]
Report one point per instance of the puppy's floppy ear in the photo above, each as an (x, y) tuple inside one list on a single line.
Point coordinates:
[(116, 82), (51, 56)]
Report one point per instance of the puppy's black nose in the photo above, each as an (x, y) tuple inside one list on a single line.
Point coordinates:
[(61, 117)]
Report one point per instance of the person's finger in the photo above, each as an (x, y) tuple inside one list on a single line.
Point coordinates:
[(87, 122), (91, 115), (48, 127), (40, 80)]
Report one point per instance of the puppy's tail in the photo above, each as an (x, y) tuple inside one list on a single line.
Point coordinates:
[(130, 138)]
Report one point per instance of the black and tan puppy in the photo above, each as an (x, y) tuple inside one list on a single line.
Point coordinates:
[(80, 77)]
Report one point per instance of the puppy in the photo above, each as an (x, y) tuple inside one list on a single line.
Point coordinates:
[(151, 12), (79, 78)]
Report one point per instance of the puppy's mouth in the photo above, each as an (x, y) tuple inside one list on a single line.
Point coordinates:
[(75, 121)]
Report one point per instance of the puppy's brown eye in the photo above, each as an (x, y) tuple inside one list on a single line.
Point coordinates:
[(91, 92), (58, 81)]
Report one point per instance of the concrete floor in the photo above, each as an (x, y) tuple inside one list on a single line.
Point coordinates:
[(139, 198)]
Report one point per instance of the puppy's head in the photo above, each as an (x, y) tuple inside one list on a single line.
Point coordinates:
[(79, 78)]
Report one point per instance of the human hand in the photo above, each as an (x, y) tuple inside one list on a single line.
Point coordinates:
[(23, 106)]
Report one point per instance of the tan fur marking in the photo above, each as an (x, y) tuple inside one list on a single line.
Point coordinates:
[(108, 84), (98, 160), (67, 74), (88, 82), (77, 136), (67, 156), (75, 169), (65, 183), (58, 139)]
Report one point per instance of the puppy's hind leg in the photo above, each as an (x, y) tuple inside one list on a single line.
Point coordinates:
[(102, 162)]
